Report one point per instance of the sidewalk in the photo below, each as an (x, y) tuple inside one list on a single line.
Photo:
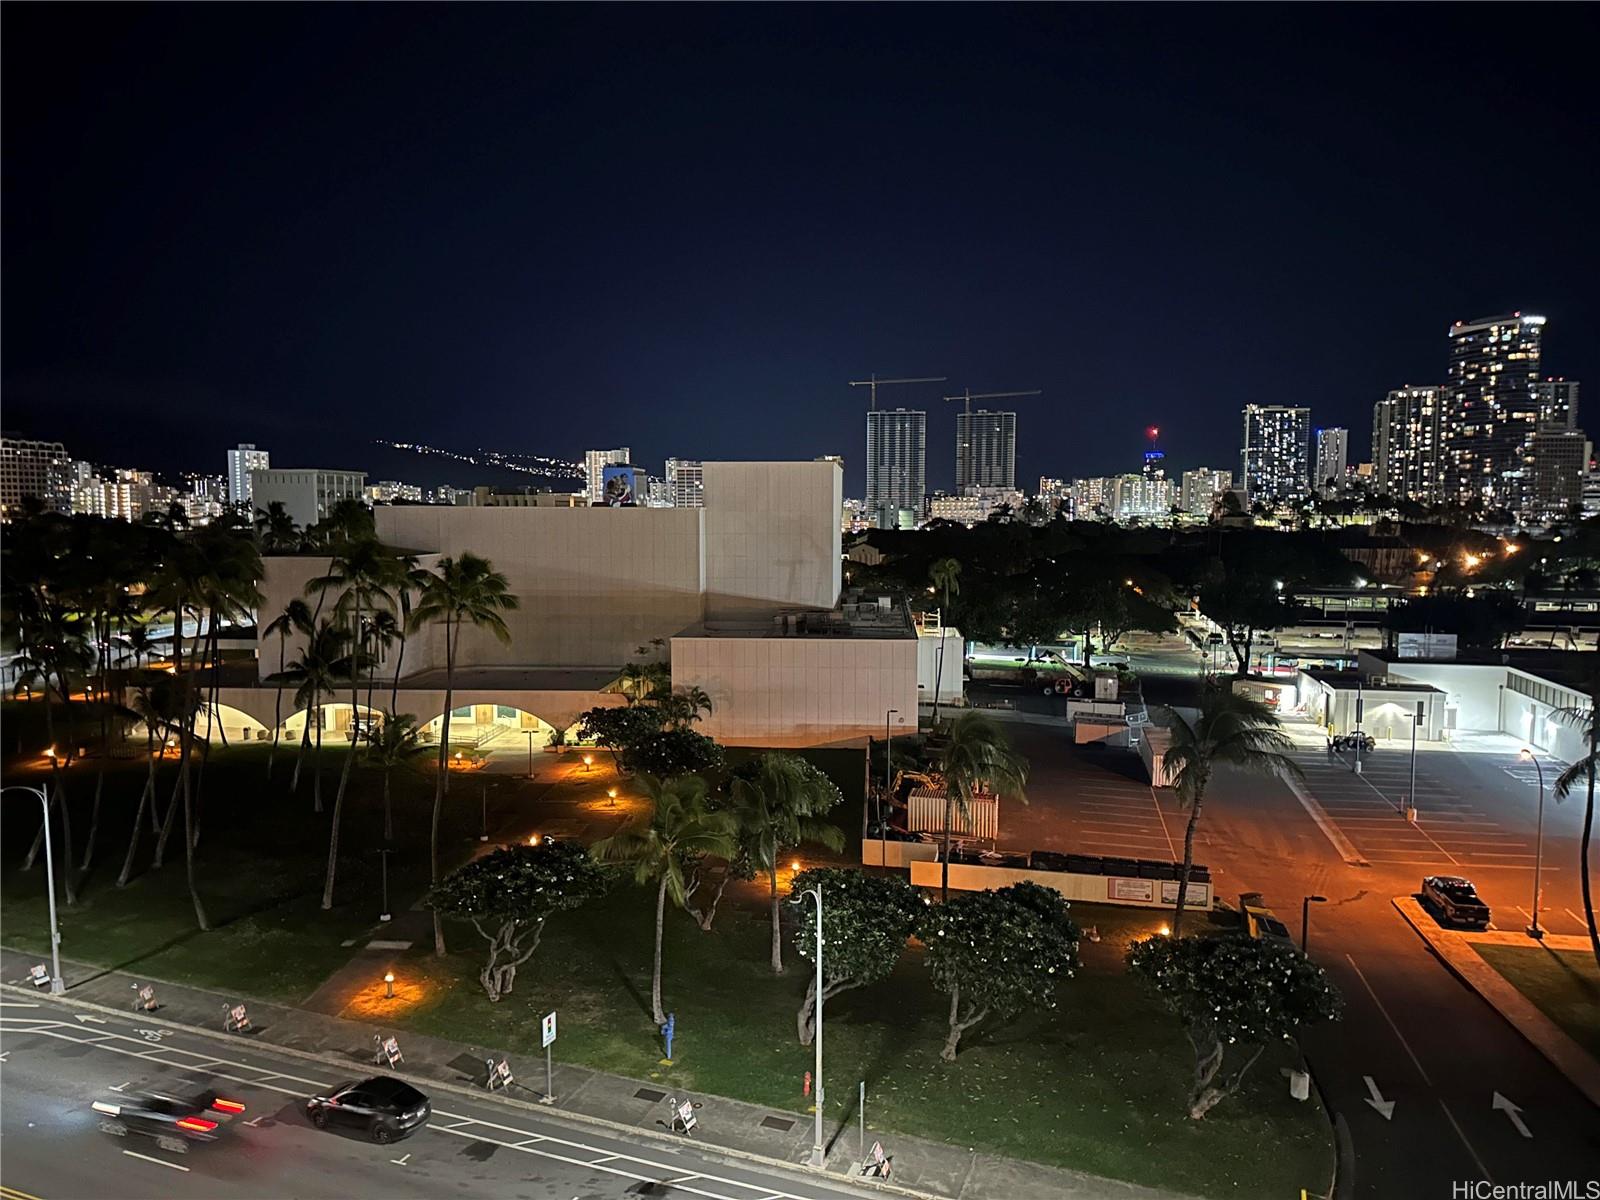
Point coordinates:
[(921, 1167), (1455, 949)]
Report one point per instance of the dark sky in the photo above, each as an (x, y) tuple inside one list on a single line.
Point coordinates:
[(684, 229)]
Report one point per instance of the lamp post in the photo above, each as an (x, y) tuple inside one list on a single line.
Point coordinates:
[(57, 984), (818, 1154), (1411, 796), (1305, 917), (383, 858), (1359, 705), (1534, 931), (529, 732), (888, 757)]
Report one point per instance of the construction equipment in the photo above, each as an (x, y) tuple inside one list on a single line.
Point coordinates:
[(872, 383), (968, 396)]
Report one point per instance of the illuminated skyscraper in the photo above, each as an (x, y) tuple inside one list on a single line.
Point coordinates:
[(897, 463), (594, 464), (1273, 457), (1408, 444), (1493, 410), (986, 450), (1333, 455)]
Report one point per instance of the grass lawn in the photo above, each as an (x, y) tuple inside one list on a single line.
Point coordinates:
[(1564, 984), (1097, 1085), (260, 870)]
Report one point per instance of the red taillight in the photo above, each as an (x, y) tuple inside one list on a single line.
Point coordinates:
[(227, 1106), (196, 1124)]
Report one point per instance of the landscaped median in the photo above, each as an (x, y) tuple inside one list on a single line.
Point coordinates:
[(1098, 1085)]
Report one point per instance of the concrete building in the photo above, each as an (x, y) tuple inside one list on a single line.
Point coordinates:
[(34, 468), (1200, 488), (307, 494), (1273, 454), (972, 504), (241, 461), (686, 483), (1333, 459), (594, 464), (746, 592), (986, 450), (1558, 403), (1560, 458), (488, 497), (1408, 444), (897, 464), (1493, 411)]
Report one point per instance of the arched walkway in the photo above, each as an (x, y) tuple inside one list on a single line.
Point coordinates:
[(337, 719), (494, 728)]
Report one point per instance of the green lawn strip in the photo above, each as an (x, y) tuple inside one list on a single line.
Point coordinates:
[(1563, 984), (1099, 1085)]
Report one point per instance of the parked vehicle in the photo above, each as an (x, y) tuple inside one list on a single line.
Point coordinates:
[(1455, 901), (1259, 920), (383, 1107), (1348, 741), (174, 1121)]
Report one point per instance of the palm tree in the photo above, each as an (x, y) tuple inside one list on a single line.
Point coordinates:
[(139, 642), (363, 571), (378, 633), (276, 531), (398, 739), (1233, 730), (944, 573), (322, 665), (156, 703), (977, 755), (1584, 769), (460, 591), (679, 826), (781, 800), (409, 581), (295, 618)]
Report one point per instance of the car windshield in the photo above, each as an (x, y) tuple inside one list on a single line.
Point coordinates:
[(394, 1091)]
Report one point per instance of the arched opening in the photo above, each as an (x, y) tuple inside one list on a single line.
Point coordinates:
[(222, 723), (496, 729), (340, 722)]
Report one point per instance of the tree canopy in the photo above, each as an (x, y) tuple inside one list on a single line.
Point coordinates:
[(866, 920)]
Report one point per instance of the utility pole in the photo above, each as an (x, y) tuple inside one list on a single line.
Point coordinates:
[(819, 1156), (59, 985)]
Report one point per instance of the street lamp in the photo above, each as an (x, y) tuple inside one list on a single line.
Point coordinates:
[(1528, 755), (529, 732), (888, 757), (57, 984), (1305, 917), (818, 1154)]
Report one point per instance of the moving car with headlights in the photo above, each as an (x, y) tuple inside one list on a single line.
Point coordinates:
[(383, 1107), (175, 1121), (1455, 901)]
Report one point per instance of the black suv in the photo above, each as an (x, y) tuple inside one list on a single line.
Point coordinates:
[(1456, 901), (175, 1121), (384, 1107)]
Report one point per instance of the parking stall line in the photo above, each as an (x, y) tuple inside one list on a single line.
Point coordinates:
[(160, 1162)]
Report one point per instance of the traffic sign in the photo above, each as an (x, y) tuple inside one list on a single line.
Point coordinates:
[(549, 1029)]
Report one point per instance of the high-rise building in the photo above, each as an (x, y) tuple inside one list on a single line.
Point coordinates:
[(686, 482), (240, 463), (1200, 488), (1273, 455), (897, 464), (1493, 411), (986, 450), (1560, 457), (308, 495), (1408, 444), (33, 468), (594, 464), (1558, 403), (1333, 457)]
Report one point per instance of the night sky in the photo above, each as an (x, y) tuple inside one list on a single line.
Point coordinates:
[(684, 229)]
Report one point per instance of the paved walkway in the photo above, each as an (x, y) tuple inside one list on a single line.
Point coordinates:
[(1455, 949), (631, 1106)]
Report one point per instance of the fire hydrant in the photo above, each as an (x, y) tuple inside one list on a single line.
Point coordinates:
[(806, 1090)]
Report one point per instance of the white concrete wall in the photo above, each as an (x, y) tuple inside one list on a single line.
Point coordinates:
[(1473, 690), (593, 583), (928, 672), (559, 709), (799, 691), (772, 536)]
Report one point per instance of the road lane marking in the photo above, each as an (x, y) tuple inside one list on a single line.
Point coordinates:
[(1456, 1125), (16, 1004), (401, 1161), (1341, 844), (160, 1162), (1415, 1061)]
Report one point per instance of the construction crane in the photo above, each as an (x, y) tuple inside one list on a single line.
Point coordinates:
[(968, 396), (872, 383)]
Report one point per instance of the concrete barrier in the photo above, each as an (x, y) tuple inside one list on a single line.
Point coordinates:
[(1095, 889)]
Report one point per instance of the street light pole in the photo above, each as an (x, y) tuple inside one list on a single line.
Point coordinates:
[(818, 1154), (1358, 726), (1305, 918), (529, 732), (1411, 796), (888, 757), (57, 984), (383, 858), (1534, 931)]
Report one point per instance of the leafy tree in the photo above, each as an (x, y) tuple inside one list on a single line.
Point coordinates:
[(672, 752), (508, 896), (323, 664), (1230, 729), (997, 952), (1481, 621), (1233, 991), (617, 729), (655, 847), (698, 873), (866, 920), (1244, 604), (778, 801), (944, 573), (461, 591), (397, 741), (275, 530), (976, 755)]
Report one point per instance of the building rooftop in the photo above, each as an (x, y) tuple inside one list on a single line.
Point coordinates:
[(1568, 668), (515, 679), (853, 618), (1349, 681)]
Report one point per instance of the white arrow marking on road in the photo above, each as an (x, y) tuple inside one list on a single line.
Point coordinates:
[(255, 1122), (1385, 1107), (1501, 1104), (87, 1017), (401, 1161), (120, 1086)]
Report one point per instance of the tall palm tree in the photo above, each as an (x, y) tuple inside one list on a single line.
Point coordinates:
[(411, 579), (781, 800), (397, 740), (1230, 729), (460, 591), (320, 669), (275, 529), (976, 755), (1584, 769), (296, 619), (139, 642), (362, 571), (679, 826), (944, 573), (156, 704), (379, 631)]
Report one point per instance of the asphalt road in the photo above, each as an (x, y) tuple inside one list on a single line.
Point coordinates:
[(54, 1063)]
